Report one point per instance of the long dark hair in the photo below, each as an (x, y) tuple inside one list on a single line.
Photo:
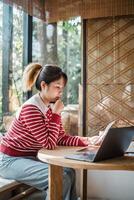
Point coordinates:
[(34, 73)]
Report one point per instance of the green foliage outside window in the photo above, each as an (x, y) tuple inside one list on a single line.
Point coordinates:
[(69, 56), (60, 44)]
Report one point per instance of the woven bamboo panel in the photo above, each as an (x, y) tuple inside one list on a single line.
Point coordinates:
[(110, 73), (105, 8), (62, 9), (55, 10), (65, 9)]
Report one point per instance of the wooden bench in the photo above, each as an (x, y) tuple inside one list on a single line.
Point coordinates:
[(6, 184), (13, 189)]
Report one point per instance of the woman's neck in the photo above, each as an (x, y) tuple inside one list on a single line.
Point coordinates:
[(44, 100)]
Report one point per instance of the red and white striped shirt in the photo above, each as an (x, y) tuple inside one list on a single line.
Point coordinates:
[(36, 127)]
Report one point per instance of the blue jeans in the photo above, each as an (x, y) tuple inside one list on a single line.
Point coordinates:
[(33, 172)]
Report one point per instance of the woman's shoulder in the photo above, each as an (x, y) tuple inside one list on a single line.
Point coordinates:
[(26, 108), (34, 100), (33, 104), (29, 107)]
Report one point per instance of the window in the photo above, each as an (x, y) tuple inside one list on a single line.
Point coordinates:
[(60, 44), (44, 42), (56, 43), (69, 56), (1, 17), (11, 60), (15, 90)]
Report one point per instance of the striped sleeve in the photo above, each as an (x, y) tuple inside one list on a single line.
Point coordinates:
[(45, 131), (69, 140)]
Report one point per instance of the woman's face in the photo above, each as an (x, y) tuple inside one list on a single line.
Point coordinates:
[(53, 91)]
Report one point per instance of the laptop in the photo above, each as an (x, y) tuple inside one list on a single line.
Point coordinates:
[(115, 144)]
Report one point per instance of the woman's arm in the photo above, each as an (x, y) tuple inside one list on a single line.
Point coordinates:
[(44, 129), (95, 140), (69, 140)]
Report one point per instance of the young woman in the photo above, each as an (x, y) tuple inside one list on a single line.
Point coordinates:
[(38, 124)]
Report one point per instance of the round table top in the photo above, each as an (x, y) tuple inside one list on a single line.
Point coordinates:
[(57, 157)]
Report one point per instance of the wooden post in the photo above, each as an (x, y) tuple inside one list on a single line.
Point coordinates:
[(83, 186), (55, 182)]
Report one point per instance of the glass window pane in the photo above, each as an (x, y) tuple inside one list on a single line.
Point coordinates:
[(15, 90), (60, 44), (69, 56), (1, 20), (44, 42)]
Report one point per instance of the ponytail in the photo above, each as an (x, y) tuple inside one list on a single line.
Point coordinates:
[(30, 75)]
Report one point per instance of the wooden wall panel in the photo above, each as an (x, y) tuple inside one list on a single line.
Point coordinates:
[(110, 72)]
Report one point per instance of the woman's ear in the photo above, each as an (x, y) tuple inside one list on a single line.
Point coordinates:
[(43, 85)]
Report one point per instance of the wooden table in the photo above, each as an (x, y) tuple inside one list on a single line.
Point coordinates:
[(55, 159)]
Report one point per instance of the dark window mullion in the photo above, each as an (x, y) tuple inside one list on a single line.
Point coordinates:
[(27, 44), (84, 78), (6, 55)]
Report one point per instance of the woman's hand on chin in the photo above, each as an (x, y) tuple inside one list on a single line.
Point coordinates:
[(58, 107)]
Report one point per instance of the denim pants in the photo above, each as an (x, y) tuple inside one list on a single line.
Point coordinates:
[(33, 172)]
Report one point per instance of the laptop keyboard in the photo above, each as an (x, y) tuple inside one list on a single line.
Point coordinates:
[(89, 156), (83, 156)]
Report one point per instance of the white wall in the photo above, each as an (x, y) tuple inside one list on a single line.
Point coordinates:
[(111, 185)]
